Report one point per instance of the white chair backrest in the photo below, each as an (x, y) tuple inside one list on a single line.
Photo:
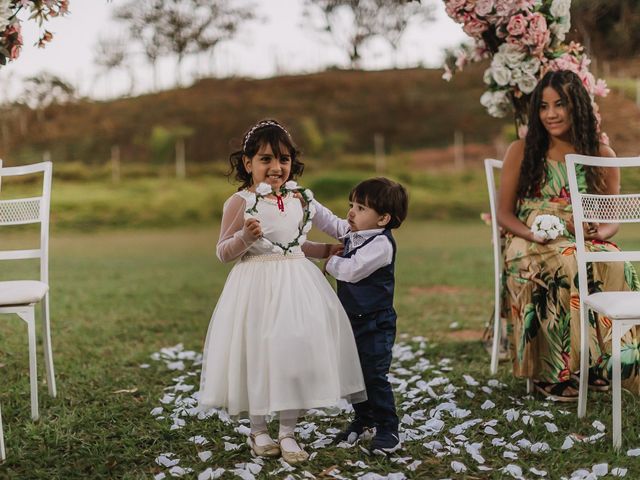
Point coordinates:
[(21, 211), (590, 207)]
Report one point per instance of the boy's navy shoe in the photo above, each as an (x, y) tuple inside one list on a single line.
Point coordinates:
[(385, 442), (353, 432)]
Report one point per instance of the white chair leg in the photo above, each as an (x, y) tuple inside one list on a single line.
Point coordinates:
[(616, 385), (29, 317), (48, 354), (497, 330), (3, 454), (584, 362), (529, 386)]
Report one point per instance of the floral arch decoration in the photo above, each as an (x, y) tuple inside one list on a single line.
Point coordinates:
[(524, 40)]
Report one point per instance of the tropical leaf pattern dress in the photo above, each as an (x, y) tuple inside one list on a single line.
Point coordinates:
[(542, 300)]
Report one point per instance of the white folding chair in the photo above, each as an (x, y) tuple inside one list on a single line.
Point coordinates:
[(20, 296), (622, 308), (3, 454), (490, 167)]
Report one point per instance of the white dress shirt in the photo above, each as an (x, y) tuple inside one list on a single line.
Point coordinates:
[(376, 254)]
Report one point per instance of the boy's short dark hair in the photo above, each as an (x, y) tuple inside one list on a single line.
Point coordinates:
[(384, 196)]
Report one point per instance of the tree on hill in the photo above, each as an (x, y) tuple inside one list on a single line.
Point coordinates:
[(45, 89), (182, 27), (354, 23), (111, 54)]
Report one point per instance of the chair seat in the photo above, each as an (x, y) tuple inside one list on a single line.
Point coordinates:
[(615, 305), (22, 292)]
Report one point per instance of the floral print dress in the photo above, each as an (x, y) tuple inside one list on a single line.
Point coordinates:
[(542, 299)]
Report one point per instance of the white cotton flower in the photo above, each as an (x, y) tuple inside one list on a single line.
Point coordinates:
[(291, 185), (308, 195), (560, 8), (307, 227), (547, 227), (530, 66), (263, 189)]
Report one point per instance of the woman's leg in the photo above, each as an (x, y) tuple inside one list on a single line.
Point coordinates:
[(259, 431)]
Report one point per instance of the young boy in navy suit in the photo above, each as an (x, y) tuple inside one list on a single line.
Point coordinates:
[(365, 277)]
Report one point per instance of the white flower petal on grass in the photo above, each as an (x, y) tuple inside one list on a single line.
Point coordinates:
[(540, 447), (598, 425), (244, 474), (540, 473), (230, 446), (514, 470), (160, 476), (204, 456), (414, 465), (512, 414), (458, 467), (634, 453), (179, 365), (407, 419), (199, 440), (472, 382), (490, 431), (487, 405), (582, 474), (517, 434), (157, 411), (618, 472), (568, 443), (600, 469), (165, 460), (551, 427), (144, 365), (527, 420), (511, 455), (594, 438), (178, 471)]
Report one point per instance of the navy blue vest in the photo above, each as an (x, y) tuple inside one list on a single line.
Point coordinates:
[(374, 292)]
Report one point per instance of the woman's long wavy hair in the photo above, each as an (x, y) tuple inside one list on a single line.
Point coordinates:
[(584, 133), (273, 134)]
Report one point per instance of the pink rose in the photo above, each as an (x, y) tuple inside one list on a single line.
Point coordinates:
[(475, 27), (15, 52), (537, 24), (453, 6), (484, 7), (517, 25), (600, 89)]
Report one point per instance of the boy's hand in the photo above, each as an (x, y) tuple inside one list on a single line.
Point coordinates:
[(252, 228)]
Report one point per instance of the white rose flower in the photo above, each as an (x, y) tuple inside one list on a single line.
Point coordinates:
[(501, 74), (487, 77), (560, 8), (251, 202), (308, 194), (530, 66), (307, 227), (263, 189), (291, 185), (516, 76), (547, 227), (527, 83), (512, 54), (486, 100), (312, 210), (5, 14), (561, 28)]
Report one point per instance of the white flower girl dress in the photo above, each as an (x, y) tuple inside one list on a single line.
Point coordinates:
[(279, 338)]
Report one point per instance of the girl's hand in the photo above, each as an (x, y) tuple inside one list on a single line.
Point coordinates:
[(335, 249), (252, 228), (299, 196), (536, 239)]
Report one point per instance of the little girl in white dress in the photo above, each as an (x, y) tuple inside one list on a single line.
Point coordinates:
[(279, 340)]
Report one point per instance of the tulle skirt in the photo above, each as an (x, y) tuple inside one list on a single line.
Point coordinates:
[(278, 340)]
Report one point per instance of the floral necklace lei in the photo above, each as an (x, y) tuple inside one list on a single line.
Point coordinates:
[(263, 190)]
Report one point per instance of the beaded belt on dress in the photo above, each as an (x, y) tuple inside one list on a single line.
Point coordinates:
[(270, 257)]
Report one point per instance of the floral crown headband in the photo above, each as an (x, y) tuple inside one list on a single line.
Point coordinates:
[(264, 123)]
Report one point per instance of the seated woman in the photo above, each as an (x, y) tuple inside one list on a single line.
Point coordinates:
[(542, 301)]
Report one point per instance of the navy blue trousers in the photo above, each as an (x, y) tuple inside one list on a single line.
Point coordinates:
[(375, 333)]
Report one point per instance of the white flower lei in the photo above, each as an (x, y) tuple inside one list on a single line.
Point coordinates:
[(263, 190)]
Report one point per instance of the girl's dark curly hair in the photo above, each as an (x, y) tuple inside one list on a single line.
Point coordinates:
[(584, 133), (265, 132)]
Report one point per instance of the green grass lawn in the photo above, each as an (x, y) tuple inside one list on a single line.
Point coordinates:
[(119, 296)]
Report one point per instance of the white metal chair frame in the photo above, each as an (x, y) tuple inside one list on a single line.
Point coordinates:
[(3, 454), (490, 167), (603, 209), (25, 211)]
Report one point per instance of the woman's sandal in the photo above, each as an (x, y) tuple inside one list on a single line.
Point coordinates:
[(596, 382), (292, 457), (269, 450), (557, 391)]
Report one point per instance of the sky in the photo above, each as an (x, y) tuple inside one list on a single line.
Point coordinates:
[(280, 43)]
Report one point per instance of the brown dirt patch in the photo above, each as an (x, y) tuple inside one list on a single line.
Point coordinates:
[(446, 289), (465, 335)]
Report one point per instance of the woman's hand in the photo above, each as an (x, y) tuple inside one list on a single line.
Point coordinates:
[(590, 230), (252, 228)]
